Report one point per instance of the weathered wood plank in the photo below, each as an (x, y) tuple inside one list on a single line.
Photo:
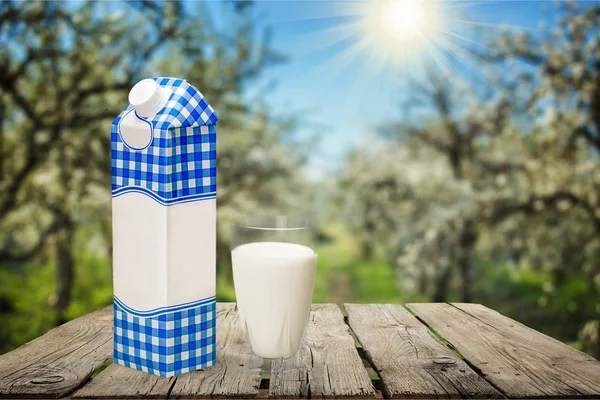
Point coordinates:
[(409, 359), (518, 360), (238, 371), (57, 363), (327, 364), (117, 381)]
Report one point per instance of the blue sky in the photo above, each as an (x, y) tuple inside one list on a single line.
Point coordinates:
[(344, 101)]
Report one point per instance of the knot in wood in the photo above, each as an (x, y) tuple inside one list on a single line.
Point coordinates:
[(46, 380), (444, 360)]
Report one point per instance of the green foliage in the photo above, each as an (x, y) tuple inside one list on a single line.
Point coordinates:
[(558, 309), (341, 279), (93, 274), (28, 292), (467, 186), (65, 69), (26, 312)]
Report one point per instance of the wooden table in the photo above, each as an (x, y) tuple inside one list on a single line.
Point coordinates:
[(422, 350)]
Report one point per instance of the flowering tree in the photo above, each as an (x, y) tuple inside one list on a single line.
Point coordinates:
[(558, 85), (65, 70), (520, 173)]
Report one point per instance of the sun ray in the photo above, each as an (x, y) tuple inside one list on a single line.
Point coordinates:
[(398, 36), (464, 39), (316, 14), (440, 60), (496, 26), (457, 52), (470, 59), (297, 26), (324, 38), (469, 4), (336, 65)]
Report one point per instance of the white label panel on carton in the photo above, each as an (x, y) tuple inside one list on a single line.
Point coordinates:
[(153, 237)]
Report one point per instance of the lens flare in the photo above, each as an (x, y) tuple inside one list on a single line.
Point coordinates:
[(381, 36), (399, 29), (403, 19)]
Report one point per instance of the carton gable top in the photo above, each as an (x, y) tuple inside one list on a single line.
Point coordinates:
[(186, 107)]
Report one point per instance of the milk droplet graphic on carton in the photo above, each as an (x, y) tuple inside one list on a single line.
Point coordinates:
[(163, 151)]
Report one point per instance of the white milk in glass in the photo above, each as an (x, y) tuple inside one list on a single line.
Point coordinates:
[(273, 285)]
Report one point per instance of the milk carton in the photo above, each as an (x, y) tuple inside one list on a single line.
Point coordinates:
[(164, 229)]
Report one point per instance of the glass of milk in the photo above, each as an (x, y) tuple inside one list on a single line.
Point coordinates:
[(274, 264)]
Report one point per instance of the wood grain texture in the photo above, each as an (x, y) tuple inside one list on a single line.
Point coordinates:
[(55, 364), (117, 381), (237, 372), (411, 362), (327, 364), (520, 361)]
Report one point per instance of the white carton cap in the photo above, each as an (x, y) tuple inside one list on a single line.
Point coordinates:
[(147, 97)]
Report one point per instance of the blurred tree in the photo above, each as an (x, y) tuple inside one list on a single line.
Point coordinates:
[(65, 70), (462, 119), (56, 83), (521, 166), (558, 84), (372, 190), (444, 214)]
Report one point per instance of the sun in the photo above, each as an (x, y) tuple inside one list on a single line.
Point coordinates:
[(403, 19), (399, 36), (399, 29)]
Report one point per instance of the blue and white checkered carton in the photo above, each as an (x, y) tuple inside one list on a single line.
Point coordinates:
[(164, 229)]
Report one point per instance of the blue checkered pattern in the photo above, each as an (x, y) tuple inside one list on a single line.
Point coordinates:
[(186, 107), (166, 342), (180, 164)]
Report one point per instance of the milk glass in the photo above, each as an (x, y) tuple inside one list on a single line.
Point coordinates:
[(274, 265)]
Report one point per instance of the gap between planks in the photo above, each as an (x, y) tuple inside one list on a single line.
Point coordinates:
[(184, 385), (411, 361), (520, 361), (454, 349), (377, 383), (327, 365), (363, 356), (266, 372), (265, 381)]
